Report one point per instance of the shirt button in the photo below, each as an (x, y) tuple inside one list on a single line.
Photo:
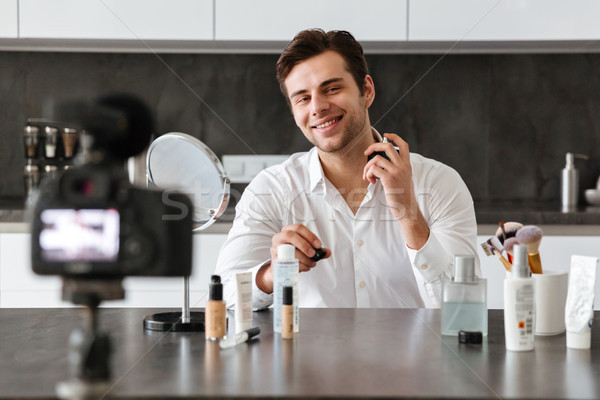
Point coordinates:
[(359, 242), (362, 284), (424, 266)]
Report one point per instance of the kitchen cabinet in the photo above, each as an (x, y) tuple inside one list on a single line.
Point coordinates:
[(279, 20), (555, 253), (116, 19), (503, 20), (9, 27), (20, 287)]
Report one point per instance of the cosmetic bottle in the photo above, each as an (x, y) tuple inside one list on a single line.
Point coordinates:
[(569, 183), (285, 273), (519, 303), (287, 313), (215, 313), (464, 299)]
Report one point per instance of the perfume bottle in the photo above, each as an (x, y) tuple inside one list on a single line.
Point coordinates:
[(464, 299)]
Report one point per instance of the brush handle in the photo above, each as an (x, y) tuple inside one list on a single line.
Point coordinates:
[(535, 263), (504, 261)]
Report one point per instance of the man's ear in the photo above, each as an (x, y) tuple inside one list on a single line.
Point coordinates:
[(369, 90)]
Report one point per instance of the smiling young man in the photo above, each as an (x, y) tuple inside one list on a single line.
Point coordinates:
[(389, 227)]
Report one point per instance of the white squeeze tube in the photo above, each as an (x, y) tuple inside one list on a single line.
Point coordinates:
[(285, 273), (243, 304), (579, 309)]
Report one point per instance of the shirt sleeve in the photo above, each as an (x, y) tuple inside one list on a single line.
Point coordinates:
[(248, 244), (447, 206)]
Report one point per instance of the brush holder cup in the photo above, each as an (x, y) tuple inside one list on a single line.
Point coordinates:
[(550, 300)]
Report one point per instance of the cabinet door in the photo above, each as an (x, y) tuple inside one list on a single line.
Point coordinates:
[(282, 19), (117, 19), (19, 286), (8, 19), (473, 20), (169, 292)]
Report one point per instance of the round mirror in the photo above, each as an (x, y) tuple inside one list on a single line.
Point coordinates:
[(177, 161)]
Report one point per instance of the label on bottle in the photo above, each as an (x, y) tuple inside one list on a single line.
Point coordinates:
[(519, 314), (285, 273)]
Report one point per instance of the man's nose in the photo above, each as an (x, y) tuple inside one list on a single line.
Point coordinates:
[(319, 104)]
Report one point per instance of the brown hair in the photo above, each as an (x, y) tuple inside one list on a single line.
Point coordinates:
[(312, 42)]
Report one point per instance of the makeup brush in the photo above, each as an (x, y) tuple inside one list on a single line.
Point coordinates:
[(490, 249), (508, 246), (531, 236), (507, 230)]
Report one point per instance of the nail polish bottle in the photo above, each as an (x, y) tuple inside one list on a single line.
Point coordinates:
[(215, 313), (287, 313)]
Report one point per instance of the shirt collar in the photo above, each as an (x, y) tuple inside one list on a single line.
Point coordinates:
[(316, 170)]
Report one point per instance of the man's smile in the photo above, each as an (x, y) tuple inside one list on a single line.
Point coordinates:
[(328, 123)]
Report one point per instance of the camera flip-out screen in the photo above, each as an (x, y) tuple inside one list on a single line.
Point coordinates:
[(79, 235)]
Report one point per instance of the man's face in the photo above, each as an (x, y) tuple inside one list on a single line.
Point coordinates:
[(326, 102)]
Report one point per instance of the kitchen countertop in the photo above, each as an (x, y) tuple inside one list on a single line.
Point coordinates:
[(338, 353), (534, 213), (584, 221)]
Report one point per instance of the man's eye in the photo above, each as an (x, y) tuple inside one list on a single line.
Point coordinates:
[(302, 100), (333, 89)]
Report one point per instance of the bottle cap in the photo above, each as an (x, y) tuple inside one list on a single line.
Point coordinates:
[(286, 252), (520, 267), (288, 295), (470, 337), (464, 268), (215, 288), (579, 340)]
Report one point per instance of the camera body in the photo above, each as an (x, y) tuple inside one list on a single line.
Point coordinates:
[(90, 223)]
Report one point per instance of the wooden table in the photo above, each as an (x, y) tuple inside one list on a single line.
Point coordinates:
[(339, 353)]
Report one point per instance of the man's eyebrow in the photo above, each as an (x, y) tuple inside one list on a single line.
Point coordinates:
[(324, 83)]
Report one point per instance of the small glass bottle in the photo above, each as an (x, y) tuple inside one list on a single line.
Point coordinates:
[(287, 313), (464, 299), (215, 312)]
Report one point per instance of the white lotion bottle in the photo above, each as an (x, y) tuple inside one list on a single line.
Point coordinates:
[(286, 272), (519, 304)]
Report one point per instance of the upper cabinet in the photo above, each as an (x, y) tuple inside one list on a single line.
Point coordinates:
[(383, 26), (504, 20), (280, 20), (117, 19), (9, 27)]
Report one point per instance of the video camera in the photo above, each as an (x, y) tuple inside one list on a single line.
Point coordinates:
[(90, 222)]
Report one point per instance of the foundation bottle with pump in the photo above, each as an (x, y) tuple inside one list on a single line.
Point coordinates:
[(215, 312)]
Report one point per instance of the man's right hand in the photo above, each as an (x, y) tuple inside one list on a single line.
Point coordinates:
[(305, 243)]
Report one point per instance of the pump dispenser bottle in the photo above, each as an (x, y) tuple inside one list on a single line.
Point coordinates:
[(285, 273), (569, 183), (519, 303), (464, 299), (215, 312)]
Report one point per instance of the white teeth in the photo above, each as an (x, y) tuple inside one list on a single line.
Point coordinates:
[(326, 124)]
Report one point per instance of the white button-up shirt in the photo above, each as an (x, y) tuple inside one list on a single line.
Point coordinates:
[(370, 266)]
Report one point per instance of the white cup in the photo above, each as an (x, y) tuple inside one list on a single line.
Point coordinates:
[(550, 299)]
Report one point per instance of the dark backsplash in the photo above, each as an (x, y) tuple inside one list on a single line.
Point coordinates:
[(504, 122)]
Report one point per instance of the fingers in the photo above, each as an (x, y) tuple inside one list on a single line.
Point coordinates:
[(397, 153), (303, 240)]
